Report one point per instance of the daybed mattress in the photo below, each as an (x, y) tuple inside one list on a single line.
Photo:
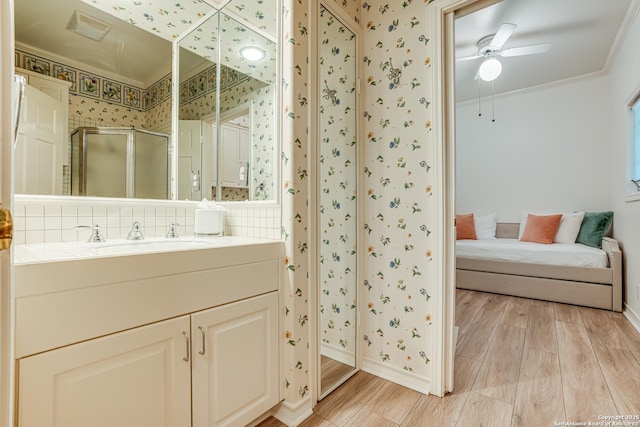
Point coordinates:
[(513, 250)]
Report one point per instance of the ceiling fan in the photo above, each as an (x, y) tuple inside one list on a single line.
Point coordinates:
[(490, 47)]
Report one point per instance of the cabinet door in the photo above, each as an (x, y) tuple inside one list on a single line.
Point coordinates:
[(136, 378), (236, 379)]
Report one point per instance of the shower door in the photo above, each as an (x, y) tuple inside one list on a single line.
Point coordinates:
[(337, 199)]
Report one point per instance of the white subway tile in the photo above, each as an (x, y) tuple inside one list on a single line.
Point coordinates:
[(99, 211), (19, 237), (70, 236), (53, 223), (35, 223), (34, 236), (52, 236), (69, 210), (53, 210), (34, 210), (69, 223), (19, 223), (84, 210), (113, 211), (126, 211)]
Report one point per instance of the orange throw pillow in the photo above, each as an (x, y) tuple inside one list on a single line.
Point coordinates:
[(465, 227), (541, 229)]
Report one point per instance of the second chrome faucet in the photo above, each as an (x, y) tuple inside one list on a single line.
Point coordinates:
[(136, 232)]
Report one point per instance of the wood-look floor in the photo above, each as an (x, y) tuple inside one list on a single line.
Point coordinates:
[(519, 362)]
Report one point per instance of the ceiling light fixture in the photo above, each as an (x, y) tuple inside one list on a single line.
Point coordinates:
[(252, 53), (490, 69)]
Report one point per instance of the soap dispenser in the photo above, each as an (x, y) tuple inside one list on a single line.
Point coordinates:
[(209, 220)]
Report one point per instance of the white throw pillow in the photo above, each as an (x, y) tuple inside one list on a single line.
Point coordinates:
[(485, 226), (569, 227), (567, 231)]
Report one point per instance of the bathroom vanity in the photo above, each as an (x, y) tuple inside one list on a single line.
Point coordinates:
[(119, 333)]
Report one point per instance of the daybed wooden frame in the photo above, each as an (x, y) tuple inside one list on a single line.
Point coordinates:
[(586, 286)]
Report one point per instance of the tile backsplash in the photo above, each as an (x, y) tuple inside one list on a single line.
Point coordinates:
[(39, 219)]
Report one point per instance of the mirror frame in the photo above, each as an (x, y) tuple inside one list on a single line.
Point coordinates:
[(175, 108)]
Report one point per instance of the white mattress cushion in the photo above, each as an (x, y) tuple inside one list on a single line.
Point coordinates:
[(570, 254)]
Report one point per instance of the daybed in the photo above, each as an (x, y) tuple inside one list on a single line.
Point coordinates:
[(598, 287)]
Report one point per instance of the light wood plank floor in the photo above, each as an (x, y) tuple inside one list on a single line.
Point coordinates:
[(519, 362)]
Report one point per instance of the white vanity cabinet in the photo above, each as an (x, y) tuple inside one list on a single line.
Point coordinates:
[(184, 338), (132, 378), (235, 362)]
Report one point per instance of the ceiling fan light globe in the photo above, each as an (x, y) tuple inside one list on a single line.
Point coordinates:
[(490, 69)]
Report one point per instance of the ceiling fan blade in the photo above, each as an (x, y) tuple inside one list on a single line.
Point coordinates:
[(502, 36), (468, 58), (526, 50)]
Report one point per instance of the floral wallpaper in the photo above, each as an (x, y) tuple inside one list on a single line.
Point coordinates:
[(338, 195), (351, 7), (89, 112), (258, 13), (398, 178), (295, 201), (165, 18)]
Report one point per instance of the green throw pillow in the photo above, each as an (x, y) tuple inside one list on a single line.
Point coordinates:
[(594, 226)]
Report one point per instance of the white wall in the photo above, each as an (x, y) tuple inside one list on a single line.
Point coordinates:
[(624, 81), (547, 151)]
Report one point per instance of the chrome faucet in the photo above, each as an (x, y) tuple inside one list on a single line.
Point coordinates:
[(96, 233), (173, 231), (136, 232)]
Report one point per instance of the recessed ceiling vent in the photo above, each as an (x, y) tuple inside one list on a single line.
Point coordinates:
[(88, 26)]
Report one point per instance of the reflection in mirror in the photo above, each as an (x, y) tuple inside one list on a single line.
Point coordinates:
[(108, 74), (238, 158), (337, 166)]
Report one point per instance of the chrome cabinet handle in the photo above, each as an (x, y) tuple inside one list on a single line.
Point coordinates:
[(188, 356), (204, 340)]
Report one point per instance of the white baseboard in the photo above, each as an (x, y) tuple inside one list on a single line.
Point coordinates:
[(293, 414), (398, 376), (338, 353), (633, 317)]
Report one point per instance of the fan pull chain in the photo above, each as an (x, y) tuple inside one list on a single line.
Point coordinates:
[(493, 105), (479, 103)]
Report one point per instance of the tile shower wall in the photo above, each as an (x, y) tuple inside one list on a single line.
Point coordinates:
[(46, 219)]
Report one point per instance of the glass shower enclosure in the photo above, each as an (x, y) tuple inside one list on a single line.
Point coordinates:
[(119, 162)]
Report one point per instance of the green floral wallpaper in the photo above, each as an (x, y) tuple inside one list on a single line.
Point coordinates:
[(398, 187), (397, 175), (295, 199)]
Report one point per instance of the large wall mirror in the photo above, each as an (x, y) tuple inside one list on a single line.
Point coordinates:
[(227, 94), (109, 65), (337, 197)]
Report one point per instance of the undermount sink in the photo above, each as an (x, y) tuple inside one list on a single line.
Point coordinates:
[(151, 245)]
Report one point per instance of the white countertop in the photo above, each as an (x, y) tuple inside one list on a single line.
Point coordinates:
[(68, 251)]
